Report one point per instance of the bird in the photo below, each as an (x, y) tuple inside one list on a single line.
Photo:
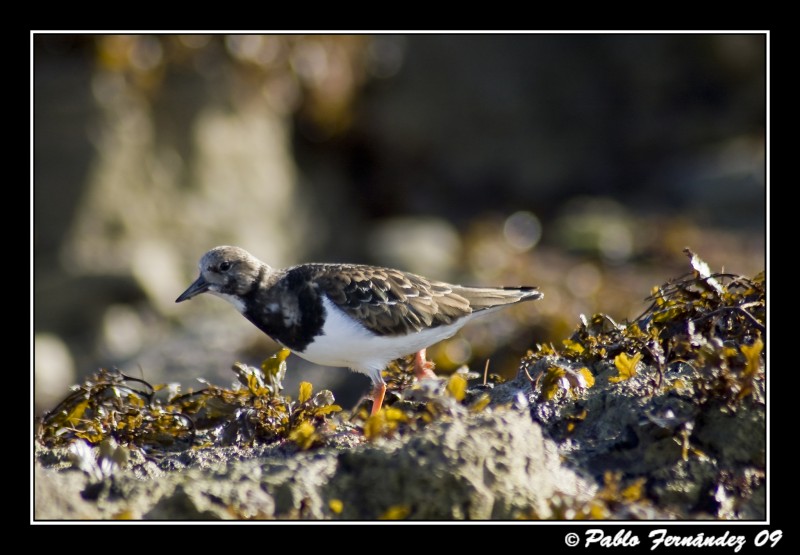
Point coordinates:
[(348, 315)]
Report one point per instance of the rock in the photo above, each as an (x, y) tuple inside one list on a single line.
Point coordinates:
[(493, 465), (487, 466)]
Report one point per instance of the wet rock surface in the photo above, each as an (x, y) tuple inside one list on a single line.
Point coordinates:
[(485, 466)]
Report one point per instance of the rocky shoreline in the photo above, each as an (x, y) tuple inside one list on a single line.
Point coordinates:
[(659, 419)]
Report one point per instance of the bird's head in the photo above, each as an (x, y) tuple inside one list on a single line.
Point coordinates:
[(228, 272)]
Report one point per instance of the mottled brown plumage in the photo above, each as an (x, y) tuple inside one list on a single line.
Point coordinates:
[(390, 302)]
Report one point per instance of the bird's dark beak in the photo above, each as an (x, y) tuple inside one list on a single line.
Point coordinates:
[(199, 286)]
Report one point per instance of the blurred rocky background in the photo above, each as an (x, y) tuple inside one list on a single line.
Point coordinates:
[(583, 164)]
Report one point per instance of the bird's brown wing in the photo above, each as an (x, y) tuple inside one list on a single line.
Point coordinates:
[(390, 302)]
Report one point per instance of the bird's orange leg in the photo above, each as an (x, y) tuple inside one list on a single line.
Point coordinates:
[(377, 397), (423, 368)]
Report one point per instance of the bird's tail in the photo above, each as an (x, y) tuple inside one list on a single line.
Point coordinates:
[(484, 298)]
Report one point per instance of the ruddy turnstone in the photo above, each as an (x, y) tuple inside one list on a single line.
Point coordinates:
[(357, 316)]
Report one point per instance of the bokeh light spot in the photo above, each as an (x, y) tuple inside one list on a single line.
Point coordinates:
[(522, 230)]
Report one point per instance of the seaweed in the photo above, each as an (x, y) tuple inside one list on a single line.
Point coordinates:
[(112, 405), (712, 322)]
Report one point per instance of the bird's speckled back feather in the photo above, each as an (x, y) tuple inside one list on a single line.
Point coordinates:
[(392, 302)]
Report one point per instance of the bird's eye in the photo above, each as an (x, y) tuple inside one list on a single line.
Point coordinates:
[(224, 266)]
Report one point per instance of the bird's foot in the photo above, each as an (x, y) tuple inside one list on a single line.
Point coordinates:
[(423, 368)]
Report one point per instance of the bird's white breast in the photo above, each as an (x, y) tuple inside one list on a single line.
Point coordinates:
[(345, 342), (233, 299)]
